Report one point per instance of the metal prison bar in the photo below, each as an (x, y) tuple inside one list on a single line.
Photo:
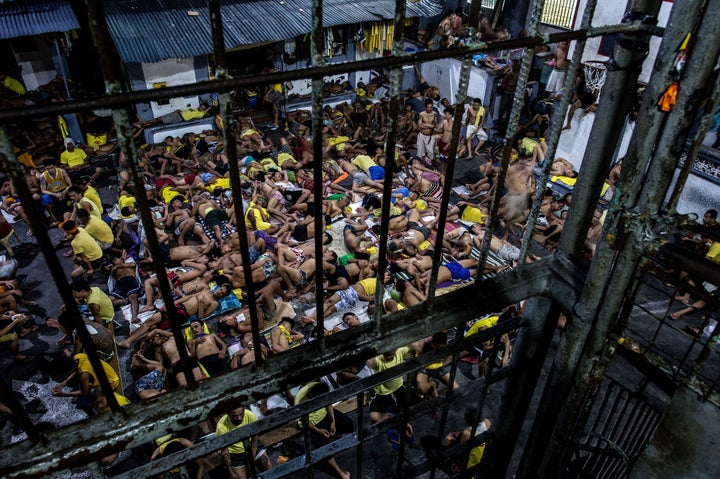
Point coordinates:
[(557, 280)]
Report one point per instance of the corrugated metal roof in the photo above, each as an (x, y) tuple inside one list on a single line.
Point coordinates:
[(36, 17), (154, 30)]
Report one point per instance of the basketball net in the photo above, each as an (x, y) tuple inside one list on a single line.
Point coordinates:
[(595, 75)]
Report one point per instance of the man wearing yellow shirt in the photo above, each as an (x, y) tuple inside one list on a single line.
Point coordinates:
[(84, 247), (97, 301), (387, 396), (77, 164), (234, 455), (80, 201), (368, 165), (326, 424), (98, 229)]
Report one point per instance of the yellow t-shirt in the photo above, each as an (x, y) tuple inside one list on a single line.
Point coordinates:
[(74, 158), (564, 179), (14, 85), (713, 253), (94, 211), (364, 162), (84, 244), (92, 194), (222, 183), (124, 201), (476, 215), (84, 366), (301, 396), (369, 285), (169, 193), (488, 322), (269, 163), (225, 425), (381, 364), (99, 230), (283, 157), (97, 296), (96, 141)]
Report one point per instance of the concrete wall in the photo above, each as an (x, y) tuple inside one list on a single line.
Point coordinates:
[(686, 442)]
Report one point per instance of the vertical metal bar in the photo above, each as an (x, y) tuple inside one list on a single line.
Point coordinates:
[(391, 124), (449, 173), (316, 54), (307, 443), (623, 71), (529, 352), (218, 38), (10, 400), (360, 400), (517, 106), (481, 400), (229, 125), (63, 64), (12, 168), (558, 117), (113, 84), (446, 406), (402, 430)]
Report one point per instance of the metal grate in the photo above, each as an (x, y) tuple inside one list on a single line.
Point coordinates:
[(590, 296), (559, 13)]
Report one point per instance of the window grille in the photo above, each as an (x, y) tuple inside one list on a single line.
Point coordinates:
[(593, 296), (559, 13)]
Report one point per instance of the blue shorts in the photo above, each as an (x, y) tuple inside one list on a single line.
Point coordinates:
[(47, 200), (457, 272), (376, 173), (153, 380)]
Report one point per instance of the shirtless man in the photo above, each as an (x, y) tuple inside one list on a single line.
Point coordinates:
[(208, 349), (297, 278), (213, 215), (176, 281), (167, 349), (182, 223), (127, 288), (444, 130), (425, 139), (283, 335)]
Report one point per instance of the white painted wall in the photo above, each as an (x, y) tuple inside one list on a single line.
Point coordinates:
[(179, 71), (610, 12)]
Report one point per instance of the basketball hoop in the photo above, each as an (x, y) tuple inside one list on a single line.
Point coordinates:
[(595, 75)]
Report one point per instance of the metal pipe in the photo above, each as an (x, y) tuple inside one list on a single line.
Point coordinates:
[(316, 54), (143, 96), (618, 90)]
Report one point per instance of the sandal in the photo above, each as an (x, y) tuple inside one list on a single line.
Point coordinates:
[(68, 254)]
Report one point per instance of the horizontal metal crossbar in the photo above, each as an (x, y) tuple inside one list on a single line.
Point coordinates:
[(128, 99), (178, 410)]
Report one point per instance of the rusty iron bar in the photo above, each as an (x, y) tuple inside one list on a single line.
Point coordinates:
[(357, 387), (114, 85), (316, 54), (180, 409), (510, 132), (448, 397), (552, 414), (530, 349), (390, 162), (464, 82), (360, 414), (218, 39), (409, 379), (558, 117), (621, 78), (142, 96), (229, 124)]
